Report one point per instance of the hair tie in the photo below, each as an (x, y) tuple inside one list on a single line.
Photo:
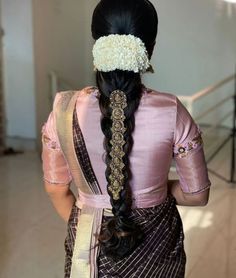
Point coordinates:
[(118, 102)]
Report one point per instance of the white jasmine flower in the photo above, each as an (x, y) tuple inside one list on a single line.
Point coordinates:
[(122, 52)]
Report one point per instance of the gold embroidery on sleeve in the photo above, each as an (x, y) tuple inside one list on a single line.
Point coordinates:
[(182, 150)]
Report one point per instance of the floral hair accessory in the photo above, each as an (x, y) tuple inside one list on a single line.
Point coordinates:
[(121, 52)]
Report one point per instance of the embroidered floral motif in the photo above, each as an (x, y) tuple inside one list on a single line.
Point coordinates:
[(91, 89), (182, 150), (50, 144), (47, 141)]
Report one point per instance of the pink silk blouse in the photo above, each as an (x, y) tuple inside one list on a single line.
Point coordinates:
[(164, 130)]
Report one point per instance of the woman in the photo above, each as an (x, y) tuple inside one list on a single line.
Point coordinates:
[(117, 142)]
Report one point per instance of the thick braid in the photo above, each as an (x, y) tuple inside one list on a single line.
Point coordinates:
[(117, 70), (119, 236)]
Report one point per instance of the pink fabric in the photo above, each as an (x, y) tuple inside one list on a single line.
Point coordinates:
[(161, 125), (144, 198), (55, 167)]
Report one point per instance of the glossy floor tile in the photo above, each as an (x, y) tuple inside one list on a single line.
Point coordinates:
[(32, 235)]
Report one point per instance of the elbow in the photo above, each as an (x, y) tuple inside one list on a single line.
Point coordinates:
[(200, 199), (55, 189), (203, 198), (202, 202), (50, 189)]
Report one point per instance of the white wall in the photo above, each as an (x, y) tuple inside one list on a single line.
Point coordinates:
[(196, 45), (19, 68), (62, 43)]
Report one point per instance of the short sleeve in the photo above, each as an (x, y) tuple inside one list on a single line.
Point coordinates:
[(55, 167), (188, 153)]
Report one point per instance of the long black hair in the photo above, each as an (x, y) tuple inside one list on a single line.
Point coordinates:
[(120, 235)]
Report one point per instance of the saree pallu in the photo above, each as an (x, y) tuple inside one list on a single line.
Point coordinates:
[(161, 254)]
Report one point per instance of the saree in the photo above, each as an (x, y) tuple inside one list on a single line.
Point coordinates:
[(161, 254)]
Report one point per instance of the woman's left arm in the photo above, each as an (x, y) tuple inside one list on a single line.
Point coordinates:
[(193, 186), (184, 199), (56, 172), (62, 199)]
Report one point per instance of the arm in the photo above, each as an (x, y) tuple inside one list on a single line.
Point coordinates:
[(56, 172), (62, 198), (184, 199), (193, 186)]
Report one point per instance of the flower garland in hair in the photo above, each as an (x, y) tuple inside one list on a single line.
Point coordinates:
[(120, 52)]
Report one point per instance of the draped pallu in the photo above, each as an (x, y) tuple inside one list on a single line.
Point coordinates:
[(85, 250)]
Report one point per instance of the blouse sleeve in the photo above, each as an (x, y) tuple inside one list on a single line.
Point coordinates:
[(55, 167), (188, 153)]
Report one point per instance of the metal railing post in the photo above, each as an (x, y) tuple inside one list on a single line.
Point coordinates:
[(232, 174)]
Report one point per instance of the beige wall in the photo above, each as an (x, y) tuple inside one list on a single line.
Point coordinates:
[(62, 43)]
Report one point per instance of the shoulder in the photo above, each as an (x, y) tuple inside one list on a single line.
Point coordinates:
[(64, 97), (160, 99)]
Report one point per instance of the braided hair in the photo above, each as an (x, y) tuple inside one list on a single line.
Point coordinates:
[(120, 235)]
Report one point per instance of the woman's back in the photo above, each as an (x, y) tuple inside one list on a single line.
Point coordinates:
[(162, 126), (117, 143), (153, 138)]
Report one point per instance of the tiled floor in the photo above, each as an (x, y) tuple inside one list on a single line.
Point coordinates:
[(32, 235)]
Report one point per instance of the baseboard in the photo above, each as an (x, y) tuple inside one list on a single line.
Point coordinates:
[(22, 144)]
